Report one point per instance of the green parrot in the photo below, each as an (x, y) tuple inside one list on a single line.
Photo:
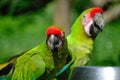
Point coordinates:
[(81, 38), (41, 62), (83, 33)]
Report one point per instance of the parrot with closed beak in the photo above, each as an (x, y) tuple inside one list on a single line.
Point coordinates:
[(81, 38), (42, 62)]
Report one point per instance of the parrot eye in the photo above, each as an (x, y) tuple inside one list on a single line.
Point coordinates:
[(85, 19), (84, 16)]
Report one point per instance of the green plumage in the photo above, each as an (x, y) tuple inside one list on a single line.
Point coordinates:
[(38, 63), (29, 65), (79, 43)]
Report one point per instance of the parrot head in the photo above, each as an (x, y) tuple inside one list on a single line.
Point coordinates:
[(55, 38), (93, 21)]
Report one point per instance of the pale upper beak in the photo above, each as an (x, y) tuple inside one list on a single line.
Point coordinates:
[(98, 21), (54, 42)]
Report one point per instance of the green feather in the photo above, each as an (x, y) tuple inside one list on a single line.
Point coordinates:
[(80, 45), (38, 63), (29, 65)]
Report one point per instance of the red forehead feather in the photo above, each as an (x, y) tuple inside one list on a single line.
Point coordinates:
[(95, 10), (53, 30)]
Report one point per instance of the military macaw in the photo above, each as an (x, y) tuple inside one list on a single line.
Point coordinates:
[(41, 62), (80, 40)]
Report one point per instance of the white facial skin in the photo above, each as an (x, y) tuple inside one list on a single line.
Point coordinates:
[(86, 22)]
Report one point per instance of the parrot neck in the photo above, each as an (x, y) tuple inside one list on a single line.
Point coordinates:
[(79, 38)]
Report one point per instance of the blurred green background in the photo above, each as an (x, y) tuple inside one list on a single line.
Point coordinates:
[(23, 24)]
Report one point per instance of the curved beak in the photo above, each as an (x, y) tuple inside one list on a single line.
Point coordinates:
[(95, 25), (52, 42), (98, 21)]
